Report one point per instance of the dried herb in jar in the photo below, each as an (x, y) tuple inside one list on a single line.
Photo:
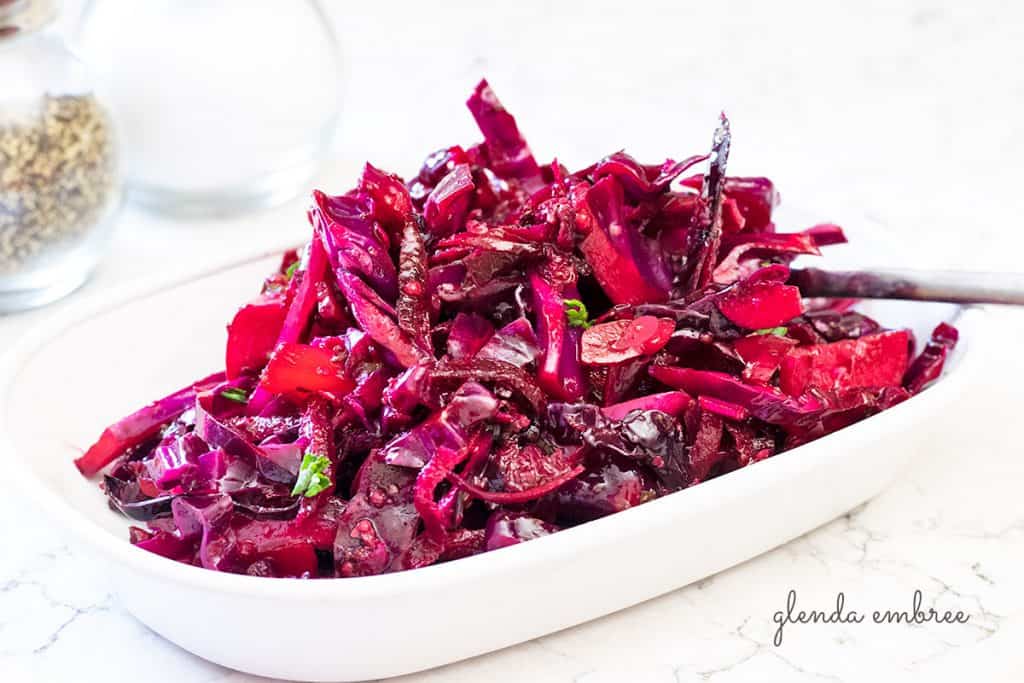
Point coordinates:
[(57, 178)]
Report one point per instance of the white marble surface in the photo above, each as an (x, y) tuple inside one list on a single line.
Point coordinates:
[(903, 116)]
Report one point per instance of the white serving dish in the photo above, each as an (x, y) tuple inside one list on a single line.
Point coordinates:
[(66, 380)]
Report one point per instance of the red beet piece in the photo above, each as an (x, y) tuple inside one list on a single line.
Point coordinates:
[(760, 304), (299, 369), (877, 360), (621, 340)]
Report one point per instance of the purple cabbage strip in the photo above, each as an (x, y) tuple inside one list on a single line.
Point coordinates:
[(515, 344), (560, 373), (469, 333), (369, 311), (448, 427), (509, 155), (636, 179), (141, 425), (765, 403), (447, 203), (352, 243), (927, 367)]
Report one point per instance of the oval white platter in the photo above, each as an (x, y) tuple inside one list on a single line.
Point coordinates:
[(63, 382)]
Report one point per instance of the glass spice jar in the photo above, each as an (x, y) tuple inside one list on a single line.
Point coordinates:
[(59, 183), (223, 109)]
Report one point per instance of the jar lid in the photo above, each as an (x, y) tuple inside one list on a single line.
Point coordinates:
[(24, 16)]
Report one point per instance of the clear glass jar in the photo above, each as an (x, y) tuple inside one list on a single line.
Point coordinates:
[(222, 107), (59, 184)]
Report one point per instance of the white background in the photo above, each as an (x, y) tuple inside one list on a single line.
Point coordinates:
[(903, 118)]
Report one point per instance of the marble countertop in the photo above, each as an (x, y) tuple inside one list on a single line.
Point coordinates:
[(901, 116)]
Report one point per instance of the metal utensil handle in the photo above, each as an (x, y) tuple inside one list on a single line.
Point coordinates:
[(914, 285)]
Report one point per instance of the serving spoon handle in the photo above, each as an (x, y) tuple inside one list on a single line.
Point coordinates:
[(912, 285)]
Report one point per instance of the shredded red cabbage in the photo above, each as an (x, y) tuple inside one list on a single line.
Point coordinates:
[(494, 351)]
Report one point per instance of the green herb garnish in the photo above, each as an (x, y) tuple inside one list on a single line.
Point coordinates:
[(312, 479), (777, 331), (290, 271), (235, 394), (576, 313)]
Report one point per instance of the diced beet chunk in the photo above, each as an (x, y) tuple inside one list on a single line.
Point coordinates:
[(621, 340), (877, 360), (761, 304)]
